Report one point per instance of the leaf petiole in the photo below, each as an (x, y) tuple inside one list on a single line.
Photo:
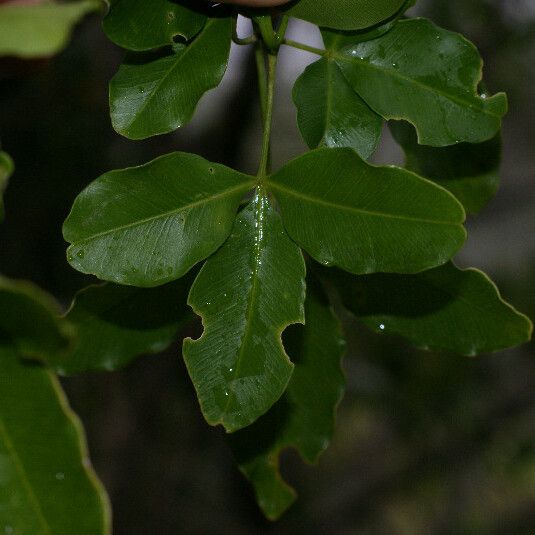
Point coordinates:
[(306, 48), (250, 40), (270, 37), (268, 116)]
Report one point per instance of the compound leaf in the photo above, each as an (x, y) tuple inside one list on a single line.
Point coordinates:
[(139, 25), (304, 418), (6, 170), (155, 94), (445, 308), (48, 486), (246, 294), (114, 324), (364, 218), (330, 113), (470, 171), (43, 29), (345, 14), (427, 76), (148, 225)]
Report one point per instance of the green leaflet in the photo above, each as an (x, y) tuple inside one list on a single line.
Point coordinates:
[(155, 94), (31, 31), (138, 25), (330, 113), (364, 218), (334, 39), (445, 308), (148, 225), (6, 170), (470, 171), (345, 14), (425, 75), (29, 320), (246, 294), (48, 486), (304, 417), (114, 324)]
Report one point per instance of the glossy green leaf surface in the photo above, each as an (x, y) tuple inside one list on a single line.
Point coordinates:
[(47, 485), (330, 113), (345, 14), (366, 34), (6, 170), (29, 320), (304, 418), (445, 308), (365, 218), (470, 171), (114, 324), (427, 76), (43, 29), (247, 294), (148, 225), (157, 93), (140, 25)]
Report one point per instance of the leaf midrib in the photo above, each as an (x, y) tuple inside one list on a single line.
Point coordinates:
[(23, 477), (253, 294), (428, 88), (184, 55), (164, 215), (328, 98), (359, 211)]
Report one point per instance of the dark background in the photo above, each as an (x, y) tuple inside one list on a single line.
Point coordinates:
[(425, 443)]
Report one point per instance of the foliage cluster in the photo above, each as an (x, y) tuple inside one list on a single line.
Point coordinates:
[(277, 249)]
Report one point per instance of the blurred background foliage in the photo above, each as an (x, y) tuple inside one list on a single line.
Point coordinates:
[(425, 443)]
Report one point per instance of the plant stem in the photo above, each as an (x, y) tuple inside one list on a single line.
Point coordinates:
[(269, 36), (264, 161), (260, 57), (306, 48)]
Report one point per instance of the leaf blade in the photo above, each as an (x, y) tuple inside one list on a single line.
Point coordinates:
[(47, 483), (111, 331), (304, 417), (445, 309), (132, 24), (345, 212), (345, 14), (149, 225), (330, 113), (471, 172), (30, 320), (247, 294), (33, 31), (427, 76), (161, 94)]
